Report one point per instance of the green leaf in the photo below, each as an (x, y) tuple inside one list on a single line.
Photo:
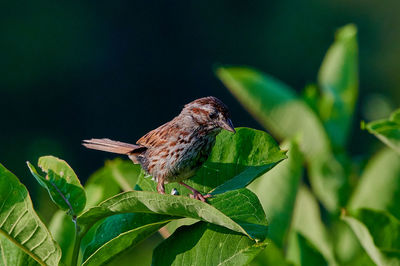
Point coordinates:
[(110, 179), (379, 234), (62, 184), (387, 130), (338, 81), (150, 202), (379, 186), (119, 233), (21, 225), (280, 110), (206, 244), (243, 207), (307, 222), (117, 226), (241, 157), (277, 192), (11, 254), (303, 252)]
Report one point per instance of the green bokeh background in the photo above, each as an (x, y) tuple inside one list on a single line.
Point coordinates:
[(76, 70)]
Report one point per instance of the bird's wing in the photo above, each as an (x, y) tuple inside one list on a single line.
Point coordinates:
[(158, 136)]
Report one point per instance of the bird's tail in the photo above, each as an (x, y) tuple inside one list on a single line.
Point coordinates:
[(113, 146)]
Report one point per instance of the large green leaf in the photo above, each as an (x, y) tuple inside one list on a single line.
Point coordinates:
[(338, 81), (241, 157), (379, 186), (277, 107), (387, 130), (21, 225), (62, 184), (379, 234), (150, 202), (277, 192), (206, 244), (307, 222)]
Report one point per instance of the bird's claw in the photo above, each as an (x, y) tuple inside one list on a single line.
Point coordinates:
[(199, 196)]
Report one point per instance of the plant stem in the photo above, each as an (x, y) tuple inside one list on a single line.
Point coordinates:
[(77, 244)]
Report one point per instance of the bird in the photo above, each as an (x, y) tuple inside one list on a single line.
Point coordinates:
[(175, 150)]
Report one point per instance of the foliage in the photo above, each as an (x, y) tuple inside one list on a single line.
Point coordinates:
[(306, 206), (387, 130)]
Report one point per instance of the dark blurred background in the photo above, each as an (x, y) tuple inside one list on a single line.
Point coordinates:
[(72, 70)]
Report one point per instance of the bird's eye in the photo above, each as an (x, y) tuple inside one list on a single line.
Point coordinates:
[(213, 115)]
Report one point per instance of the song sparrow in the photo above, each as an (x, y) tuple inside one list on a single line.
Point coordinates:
[(174, 151)]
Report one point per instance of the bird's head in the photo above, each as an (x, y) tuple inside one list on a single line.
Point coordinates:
[(210, 113)]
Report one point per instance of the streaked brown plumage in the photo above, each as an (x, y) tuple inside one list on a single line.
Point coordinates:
[(174, 151)]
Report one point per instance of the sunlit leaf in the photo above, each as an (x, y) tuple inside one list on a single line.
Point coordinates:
[(62, 184), (150, 202), (20, 224)]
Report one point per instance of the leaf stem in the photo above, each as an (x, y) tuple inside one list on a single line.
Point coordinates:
[(77, 244)]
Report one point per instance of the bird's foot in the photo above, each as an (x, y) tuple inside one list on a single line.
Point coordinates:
[(197, 195)]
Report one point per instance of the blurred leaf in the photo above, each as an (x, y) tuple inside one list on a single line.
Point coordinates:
[(310, 95), (279, 109), (348, 250), (206, 244), (63, 231), (271, 255), (302, 252), (103, 249), (379, 186), (20, 224), (379, 234), (10, 254), (388, 131), (110, 179), (277, 192), (338, 80), (150, 202), (276, 106), (62, 184), (242, 156), (307, 222)]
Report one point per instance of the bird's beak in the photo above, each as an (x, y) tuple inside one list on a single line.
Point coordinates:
[(227, 124)]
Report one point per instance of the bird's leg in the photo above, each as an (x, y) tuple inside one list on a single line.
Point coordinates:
[(160, 186), (196, 195)]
